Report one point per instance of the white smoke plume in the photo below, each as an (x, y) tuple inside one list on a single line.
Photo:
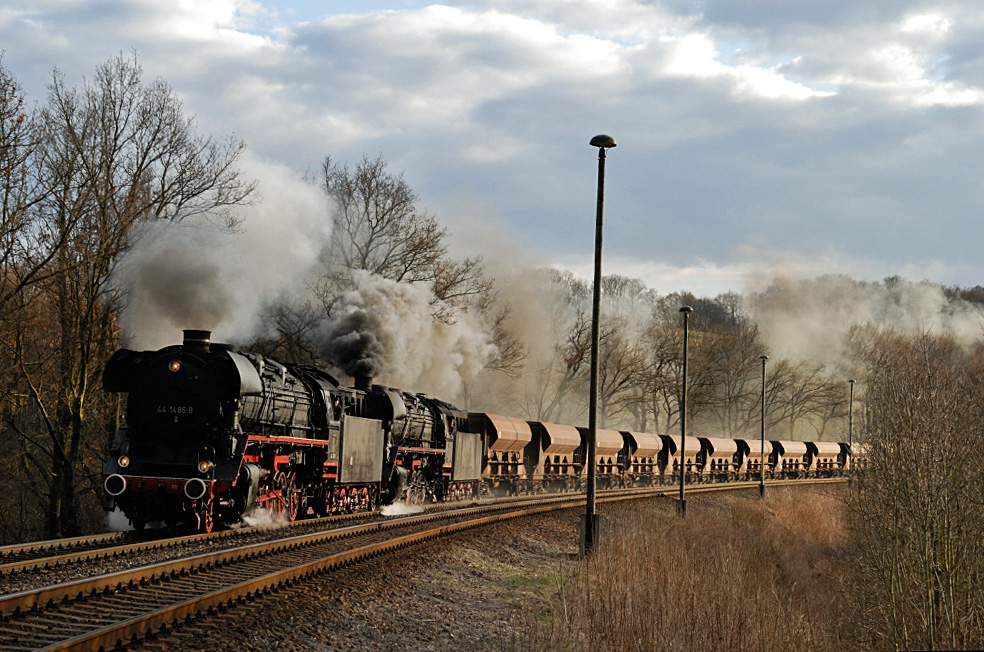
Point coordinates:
[(196, 275), (388, 329), (116, 521), (400, 508), (262, 517), (810, 319)]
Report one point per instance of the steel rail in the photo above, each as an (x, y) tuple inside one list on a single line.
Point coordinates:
[(140, 625), (81, 548), (163, 542), (18, 549), (36, 558), (175, 579)]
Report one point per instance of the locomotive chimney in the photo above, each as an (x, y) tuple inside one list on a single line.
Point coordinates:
[(197, 339), (363, 383)]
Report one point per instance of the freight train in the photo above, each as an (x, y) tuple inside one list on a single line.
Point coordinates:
[(212, 434)]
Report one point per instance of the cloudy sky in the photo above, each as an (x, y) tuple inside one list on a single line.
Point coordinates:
[(754, 136)]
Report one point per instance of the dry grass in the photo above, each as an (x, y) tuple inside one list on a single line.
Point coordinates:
[(735, 574)]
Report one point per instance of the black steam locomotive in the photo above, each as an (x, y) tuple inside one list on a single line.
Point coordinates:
[(212, 433)]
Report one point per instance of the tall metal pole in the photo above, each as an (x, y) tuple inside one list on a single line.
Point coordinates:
[(590, 528), (850, 435), (682, 505), (762, 460)]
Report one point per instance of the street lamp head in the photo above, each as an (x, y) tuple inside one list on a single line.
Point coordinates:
[(763, 357), (686, 309), (852, 381), (603, 141)]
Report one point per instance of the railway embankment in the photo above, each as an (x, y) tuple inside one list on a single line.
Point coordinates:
[(736, 573)]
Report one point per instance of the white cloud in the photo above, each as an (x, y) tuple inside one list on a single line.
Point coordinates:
[(947, 94), (722, 139), (930, 24)]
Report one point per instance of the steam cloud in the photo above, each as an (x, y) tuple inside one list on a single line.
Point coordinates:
[(193, 274), (384, 328), (810, 319)]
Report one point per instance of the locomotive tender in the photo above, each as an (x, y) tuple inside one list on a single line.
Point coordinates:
[(212, 434)]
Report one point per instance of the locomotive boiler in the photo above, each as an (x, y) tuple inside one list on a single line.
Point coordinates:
[(211, 434)]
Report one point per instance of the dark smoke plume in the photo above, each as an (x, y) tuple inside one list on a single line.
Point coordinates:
[(387, 329), (351, 343)]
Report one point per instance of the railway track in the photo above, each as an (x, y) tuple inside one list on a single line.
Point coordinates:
[(22, 555), (36, 564), (33, 568), (103, 610)]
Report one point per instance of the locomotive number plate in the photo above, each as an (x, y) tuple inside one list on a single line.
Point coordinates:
[(175, 409)]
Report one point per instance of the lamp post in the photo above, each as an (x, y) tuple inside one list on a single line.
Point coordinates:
[(589, 529), (682, 505), (850, 435), (763, 358)]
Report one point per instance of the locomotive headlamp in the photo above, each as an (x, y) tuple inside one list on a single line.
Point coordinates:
[(205, 466), (175, 366), (123, 461)]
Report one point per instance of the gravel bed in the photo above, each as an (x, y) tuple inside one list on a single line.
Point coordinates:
[(475, 591)]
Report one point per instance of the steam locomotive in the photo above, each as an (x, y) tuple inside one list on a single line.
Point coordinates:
[(212, 434)]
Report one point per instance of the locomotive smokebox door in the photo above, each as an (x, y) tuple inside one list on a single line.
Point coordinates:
[(361, 458)]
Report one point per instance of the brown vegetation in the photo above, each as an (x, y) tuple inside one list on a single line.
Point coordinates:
[(918, 517), (736, 574)]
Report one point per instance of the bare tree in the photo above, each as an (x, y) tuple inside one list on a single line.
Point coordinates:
[(25, 248), (378, 227), (116, 152), (733, 354), (918, 513), (294, 323), (376, 224), (804, 392), (622, 363), (565, 375), (663, 339)]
